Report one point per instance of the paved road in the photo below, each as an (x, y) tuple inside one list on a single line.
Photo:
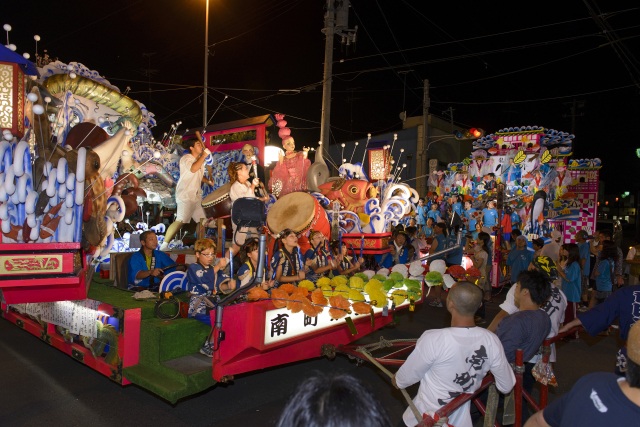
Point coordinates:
[(42, 387)]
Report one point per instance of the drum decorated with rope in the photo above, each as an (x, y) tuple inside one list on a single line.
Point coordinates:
[(218, 204), (300, 212)]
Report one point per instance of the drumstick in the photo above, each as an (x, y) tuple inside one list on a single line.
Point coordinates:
[(300, 259)]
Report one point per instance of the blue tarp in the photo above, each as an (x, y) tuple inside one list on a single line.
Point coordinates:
[(7, 55)]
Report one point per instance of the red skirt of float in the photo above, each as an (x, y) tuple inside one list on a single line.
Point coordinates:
[(258, 335), (371, 243), (42, 272)]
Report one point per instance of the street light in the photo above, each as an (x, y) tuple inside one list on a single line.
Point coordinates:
[(436, 139), (206, 65)]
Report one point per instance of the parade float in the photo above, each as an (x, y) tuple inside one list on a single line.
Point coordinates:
[(528, 171), (78, 160)]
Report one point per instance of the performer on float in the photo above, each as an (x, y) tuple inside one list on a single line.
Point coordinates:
[(402, 250), (290, 174), (147, 267), (247, 271), (241, 187), (287, 264), (251, 160), (188, 189), (344, 264), (318, 261)]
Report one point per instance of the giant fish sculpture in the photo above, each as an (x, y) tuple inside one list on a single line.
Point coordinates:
[(351, 193)]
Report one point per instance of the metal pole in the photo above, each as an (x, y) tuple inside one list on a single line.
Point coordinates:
[(426, 103), (206, 66), (329, 28)]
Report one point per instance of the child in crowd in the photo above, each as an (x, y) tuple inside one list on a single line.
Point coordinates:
[(469, 214), (421, 214), (434, 213), (537, 245), (490, 215), (204, 281), (570, 273), (604, 274), (457, 207), (477, 230), (427, 230)]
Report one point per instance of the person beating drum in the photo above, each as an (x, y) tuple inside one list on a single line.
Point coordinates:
[(241, 187)]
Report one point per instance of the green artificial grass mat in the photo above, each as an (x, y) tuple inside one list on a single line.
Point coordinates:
[(120, 298), (168, 386), (161, 340)]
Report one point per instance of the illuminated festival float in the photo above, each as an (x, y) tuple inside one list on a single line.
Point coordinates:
[(79, 162), (529, 173)]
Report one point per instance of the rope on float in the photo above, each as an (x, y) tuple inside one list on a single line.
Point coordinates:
[(365, 352)]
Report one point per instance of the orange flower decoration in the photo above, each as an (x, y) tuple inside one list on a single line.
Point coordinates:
[(288, 288), (361, 307), (317, 297), (256, 294), (279, 297), (296, 299), (310, 309), (339, 306)]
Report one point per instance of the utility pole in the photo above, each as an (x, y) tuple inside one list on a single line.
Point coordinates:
[(336, 22), (449, 112), (573, 107), (329, 31), (424, 165), (148, 72)]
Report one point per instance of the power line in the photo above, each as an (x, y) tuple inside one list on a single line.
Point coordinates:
[(537, 27)]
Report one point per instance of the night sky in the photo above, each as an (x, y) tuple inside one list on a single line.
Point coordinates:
[(568, 65)]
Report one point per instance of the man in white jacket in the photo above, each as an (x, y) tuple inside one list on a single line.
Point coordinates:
[(450, 361)]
